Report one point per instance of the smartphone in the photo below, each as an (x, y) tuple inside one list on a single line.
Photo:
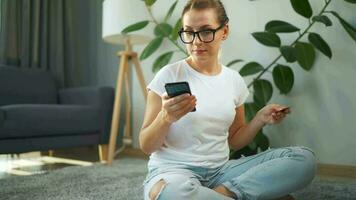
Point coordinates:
[(178, 88)]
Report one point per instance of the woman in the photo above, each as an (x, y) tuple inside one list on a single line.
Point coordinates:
[(190, 150)]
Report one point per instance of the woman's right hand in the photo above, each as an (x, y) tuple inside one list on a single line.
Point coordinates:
[(176, 107)]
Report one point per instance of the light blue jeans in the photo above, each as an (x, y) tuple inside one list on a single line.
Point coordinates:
[(268, 175)]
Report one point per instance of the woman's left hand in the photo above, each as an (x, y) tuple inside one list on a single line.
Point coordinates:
[(272, 113)]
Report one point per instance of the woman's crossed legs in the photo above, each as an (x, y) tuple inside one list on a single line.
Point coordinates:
[(269, 175)]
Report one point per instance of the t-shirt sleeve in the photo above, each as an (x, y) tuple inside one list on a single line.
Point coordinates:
[(161, 78), (242, 90)]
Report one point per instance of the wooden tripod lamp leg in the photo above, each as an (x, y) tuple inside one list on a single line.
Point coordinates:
[(127, 141), (140, 76), (117, 107)]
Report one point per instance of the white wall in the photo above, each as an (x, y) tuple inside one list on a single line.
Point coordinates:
[(323, 100)]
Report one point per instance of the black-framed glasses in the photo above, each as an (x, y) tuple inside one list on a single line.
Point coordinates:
[(206, 36)]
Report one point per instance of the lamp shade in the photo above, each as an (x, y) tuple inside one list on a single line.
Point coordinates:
[(117, 15)]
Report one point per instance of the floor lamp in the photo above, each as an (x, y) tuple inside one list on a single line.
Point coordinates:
[(118, 14)]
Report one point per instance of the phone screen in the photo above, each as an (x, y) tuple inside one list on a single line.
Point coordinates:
[(177, 88)]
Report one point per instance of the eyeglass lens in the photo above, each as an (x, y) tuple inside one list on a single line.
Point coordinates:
[(204, 36)]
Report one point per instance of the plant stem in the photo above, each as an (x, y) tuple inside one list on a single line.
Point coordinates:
[(295, 41), (156, 22)]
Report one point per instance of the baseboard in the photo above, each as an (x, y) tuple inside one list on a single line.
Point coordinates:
[(337, 170)]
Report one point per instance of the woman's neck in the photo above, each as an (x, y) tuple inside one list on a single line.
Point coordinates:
[(207, 67)]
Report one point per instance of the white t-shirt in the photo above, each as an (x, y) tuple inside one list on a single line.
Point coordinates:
[(200, 138)]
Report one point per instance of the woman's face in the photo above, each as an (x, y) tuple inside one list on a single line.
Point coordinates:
[(198, 20)]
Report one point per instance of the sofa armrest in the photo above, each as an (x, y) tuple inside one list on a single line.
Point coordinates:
[(100, 97)]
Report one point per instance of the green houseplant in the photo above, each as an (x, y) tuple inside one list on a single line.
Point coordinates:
[(302, 51)]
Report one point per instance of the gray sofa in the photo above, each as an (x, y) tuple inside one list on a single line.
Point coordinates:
[(35, 115)]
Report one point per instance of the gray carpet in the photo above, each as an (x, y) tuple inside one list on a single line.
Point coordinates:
[(124, 181)]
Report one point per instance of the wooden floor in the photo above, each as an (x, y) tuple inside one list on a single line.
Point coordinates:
[(37, 163)]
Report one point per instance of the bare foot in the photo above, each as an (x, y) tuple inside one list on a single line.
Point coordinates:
[(224, 191)]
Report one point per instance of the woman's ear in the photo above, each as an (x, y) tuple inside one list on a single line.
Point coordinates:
[(226, 32)]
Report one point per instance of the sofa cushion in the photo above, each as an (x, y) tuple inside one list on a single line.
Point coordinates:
[(29, 120), (26, 86), (2, 117)]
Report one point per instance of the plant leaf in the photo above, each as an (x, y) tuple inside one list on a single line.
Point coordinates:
[(176, 28), (283, 77), (250, 68), (253, 144), (349, 29), (162, 60), (150, 2), (262, 91), (302, 7), (163, 29), (267, 38), (320, 44), (135, 27), (305, 55), (262, 141), (251, 109), (170, 11), (289, 53), (246, 151), (322, 19), (277, 26), (234, 62), (151, 47), (351, 1)]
